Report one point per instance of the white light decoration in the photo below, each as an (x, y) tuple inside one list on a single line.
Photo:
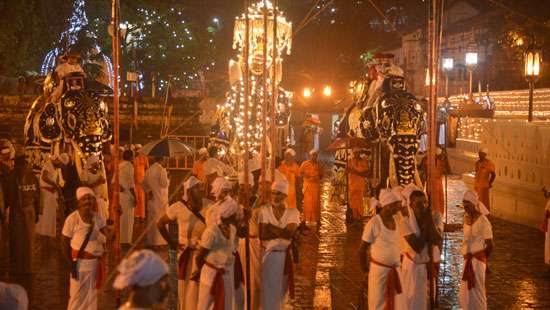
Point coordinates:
[(231, 115), (471, 59), (448, 64), (327, 91)]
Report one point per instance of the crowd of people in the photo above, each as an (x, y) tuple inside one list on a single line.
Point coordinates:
[(221, 222)]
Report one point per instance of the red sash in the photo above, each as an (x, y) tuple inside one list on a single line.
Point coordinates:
[(289, 272), (218, 289), (183, 261), (238, 270), (433, 266), (393, 285), (469, 274), (100, 270)]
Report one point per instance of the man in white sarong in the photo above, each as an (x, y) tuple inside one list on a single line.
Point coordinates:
[(83, 246), (146, 275), (381, 235), (476, 248), (190, 216), (127, 196), (419, 228), (51, 182), (546, 228), (155, 185), (215, 259), (277, 227)]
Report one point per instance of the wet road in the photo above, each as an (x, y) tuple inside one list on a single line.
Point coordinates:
[(328, 275)]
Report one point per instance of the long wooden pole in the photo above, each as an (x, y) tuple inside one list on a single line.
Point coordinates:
[(265, 76), (116, 186), (274, 93), (246, 153)]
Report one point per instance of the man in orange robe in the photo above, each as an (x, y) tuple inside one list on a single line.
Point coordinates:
[(141, 163), (198, 165), (485, 176), (357, 173), (291, 170), (312, 172)]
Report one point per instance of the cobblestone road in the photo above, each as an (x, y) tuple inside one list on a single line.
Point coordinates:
[(328, 276)]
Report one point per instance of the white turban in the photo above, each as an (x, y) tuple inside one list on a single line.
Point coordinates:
[(13, 297), (472, 197), (224, 209), (290, 151), (92, 160), (63, 158), (188, 184), (313, 151), (387, 197), (142, 268), (203, 151), (484, 149), (219, 185), (407, 191), (83, 191), (280, 186)]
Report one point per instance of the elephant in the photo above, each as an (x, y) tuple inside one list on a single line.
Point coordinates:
[(77, 124)]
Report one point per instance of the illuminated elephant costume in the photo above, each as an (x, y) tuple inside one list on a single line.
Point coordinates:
[(78, 124), (389, 117)]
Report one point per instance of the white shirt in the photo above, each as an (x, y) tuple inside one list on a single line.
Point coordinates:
[(126, 176), (89, 177), (156, 181), (76, 229), (52, 174), (190, 228), (266, 216), (384, 243), (475, 235), (221, 249)]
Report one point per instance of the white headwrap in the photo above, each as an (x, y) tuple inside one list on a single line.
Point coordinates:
[(472, 197), (313, 151), (92, 160), (203, 151), (484, 149), (290, 151), (142, 268), (280, 186), (224, 209), (83, 191), (387, 197), (220, 184), (13, 297), (188, 184), (407, 191)]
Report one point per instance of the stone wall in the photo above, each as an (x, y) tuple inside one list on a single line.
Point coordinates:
[(521, 153)]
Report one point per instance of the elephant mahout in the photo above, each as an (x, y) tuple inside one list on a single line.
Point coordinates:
[(389, 118), (76, 124)]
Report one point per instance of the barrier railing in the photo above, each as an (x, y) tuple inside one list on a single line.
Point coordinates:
[(186, 163)]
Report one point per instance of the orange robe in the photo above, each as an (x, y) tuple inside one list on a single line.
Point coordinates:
[(141, 163), (356, 186), (198, 170), (483, 172), (312, 173), (291, 171)]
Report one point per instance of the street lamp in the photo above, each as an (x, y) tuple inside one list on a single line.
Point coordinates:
[(532, 71), (307, 92), (448, 64), (471, 62), (327, 91)]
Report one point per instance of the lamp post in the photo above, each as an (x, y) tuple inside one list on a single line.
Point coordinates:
[(471, 62), (532, 71), (448, 64), (327, 91)]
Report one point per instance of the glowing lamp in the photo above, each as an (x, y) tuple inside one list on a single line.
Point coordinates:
[(327, 91), (532, 63), (471, 59), (448, 64), (307, 92)]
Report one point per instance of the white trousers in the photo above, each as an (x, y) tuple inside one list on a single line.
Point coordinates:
[(188, 291), (82, 292), (256, 254), (273, 281), (206, 300), (46, 221), (377, 282), (127, 218), (154, 212), (475, 298), (414, 283)]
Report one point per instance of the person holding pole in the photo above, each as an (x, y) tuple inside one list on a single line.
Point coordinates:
[(189, 213)]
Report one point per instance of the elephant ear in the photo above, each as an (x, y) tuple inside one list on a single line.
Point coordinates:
[(46, 125)]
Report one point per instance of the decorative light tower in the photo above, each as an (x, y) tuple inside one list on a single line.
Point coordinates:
[(471, 62), (533, 59), (77, 21)]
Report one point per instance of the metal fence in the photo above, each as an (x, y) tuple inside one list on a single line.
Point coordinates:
[(186, 163)]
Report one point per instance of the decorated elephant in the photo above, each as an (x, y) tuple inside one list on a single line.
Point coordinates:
[(390, 118), (77, 124)]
